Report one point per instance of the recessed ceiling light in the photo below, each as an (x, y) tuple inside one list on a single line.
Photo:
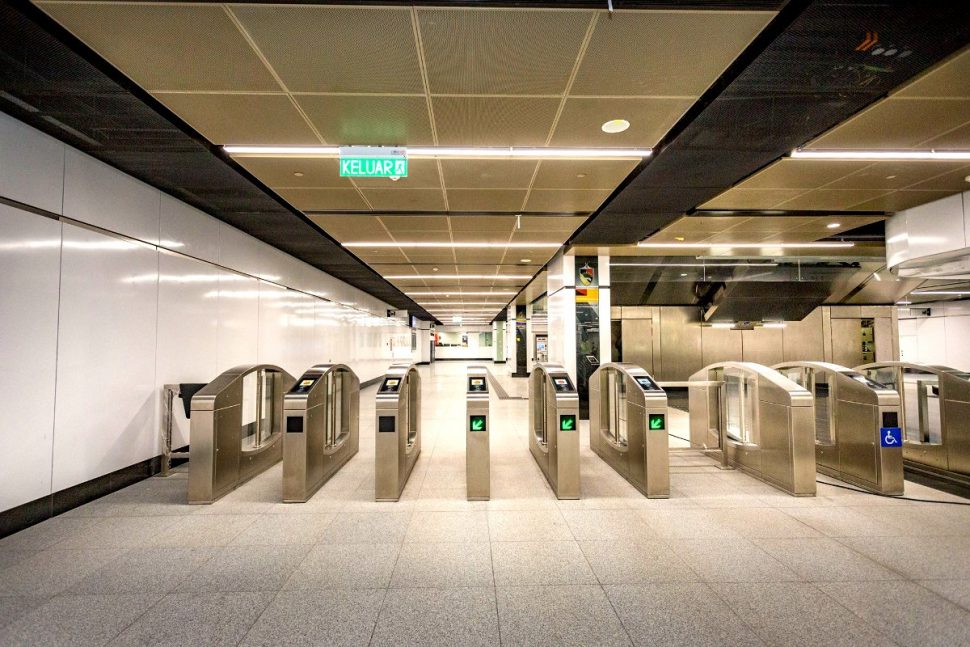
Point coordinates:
[(683, 274), (434, 269), (890, 177), (298, 174), (679, 238), (421, 243), (477, 277), (614, 126), (525, 260), (452, 152), (746, 245), (927, 155), (941, 293), (580, 175), (462, 293), (834, 225)]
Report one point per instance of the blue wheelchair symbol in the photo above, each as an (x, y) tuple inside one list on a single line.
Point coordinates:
[(891, 437)]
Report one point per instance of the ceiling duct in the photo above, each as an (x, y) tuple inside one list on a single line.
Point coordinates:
[(765, 301)]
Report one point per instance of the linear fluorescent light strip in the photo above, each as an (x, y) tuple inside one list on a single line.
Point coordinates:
[(434, 152), (928, 155), (453, 277), (462, 245), (710, 265), (460, 293), (941, 293), (745, 245)]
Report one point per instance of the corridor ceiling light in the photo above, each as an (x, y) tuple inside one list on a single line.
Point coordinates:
[(745, 245), (902, 156), (462, 245), (453, 277), (834, 225), (452, 152), (614, 126), (460, 293), (940, 293), (712, 265)]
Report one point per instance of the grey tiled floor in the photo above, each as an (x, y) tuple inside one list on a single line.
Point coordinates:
[(726, 560)]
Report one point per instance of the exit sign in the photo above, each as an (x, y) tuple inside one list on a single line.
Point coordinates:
[(373, 161)]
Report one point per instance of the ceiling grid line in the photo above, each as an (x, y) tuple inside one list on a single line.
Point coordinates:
[(423, 67)]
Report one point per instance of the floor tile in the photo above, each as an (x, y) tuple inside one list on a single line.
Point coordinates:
[(203, 530), (438, 527), (917, 557), (732, 560), (527, 525), (77, 620), (956, 591), (12, 607), (762, 522), (798, 613), (245, 568), (192, 619), (345, 566), (540, 563), (558, 615), (366, 528), (50, 572), (821, 559), (688, 614), (144, 570), (313, 618), (448, 565), (120, 532), (909, 613), (276, 530), (841, 522), (437, 617), (602, 525), (687, 524), (46, 534), (9, 558), (635, 561)]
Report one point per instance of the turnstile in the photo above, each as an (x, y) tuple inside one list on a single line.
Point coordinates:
[(857, 437), (628, 426), (554, 428), (398, 443), (935, 416), (477, 459), (236, 429), (762, 423), (322, 428)]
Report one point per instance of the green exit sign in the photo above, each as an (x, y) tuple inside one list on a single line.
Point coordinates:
[(477, 423), (567, 422), (658, 421), (373, 161)]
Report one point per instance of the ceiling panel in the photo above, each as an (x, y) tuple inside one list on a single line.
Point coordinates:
[(582, 174), (831, 199), (958, 138), (742, 198), (898, 200), (565, 200), (381, 255), (353, 227), (482, 223), (279, 172), (336, 49), (422, 174), (494, 121), (488, 174), (486, 199), (168, 47), (543, 223), (400, 224), (954, 181), (634, 52), (242, 118), (790, 173), (951, 79), (894, 175), (323, 199), (405, 199), (488, 236), (371, 120), (914, 121), (582, 119), (471, 51), (434, 255)]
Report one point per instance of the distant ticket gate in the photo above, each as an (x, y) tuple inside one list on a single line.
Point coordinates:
[(236, 429), (857, 425), (628, 426), (763, 423), (477, 459), (554, 428), (398, 444), (936, 416), (322, 428)]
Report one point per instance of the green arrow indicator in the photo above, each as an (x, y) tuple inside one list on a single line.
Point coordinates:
[(567, 423), (476, 423), (658, 421)]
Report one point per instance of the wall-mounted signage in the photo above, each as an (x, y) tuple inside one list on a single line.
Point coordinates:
[(373, 161)]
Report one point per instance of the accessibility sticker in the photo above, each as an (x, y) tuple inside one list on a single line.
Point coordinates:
[(890, 437)]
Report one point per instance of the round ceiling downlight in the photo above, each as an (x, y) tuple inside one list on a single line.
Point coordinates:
[(614, 126)]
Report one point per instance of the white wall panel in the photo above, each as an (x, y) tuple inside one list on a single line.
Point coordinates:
[(187, 230), (188, 327), (105, 416), (957, 352), (100, 195), (29, 277), (241, 252), (31, 166), (238, 302)]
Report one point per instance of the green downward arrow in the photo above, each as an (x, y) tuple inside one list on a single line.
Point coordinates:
[(656, 421), (478, 423), (567, 423)]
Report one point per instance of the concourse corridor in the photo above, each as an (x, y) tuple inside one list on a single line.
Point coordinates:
[(726, 560)]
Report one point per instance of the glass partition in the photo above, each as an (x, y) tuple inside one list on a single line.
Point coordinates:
[(413, 409), (260, 408), (921, 403), (250, 410), (739, 394), (617, 414), (539, 409), (336, 424)]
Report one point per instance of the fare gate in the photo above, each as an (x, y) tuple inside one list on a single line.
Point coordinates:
[(554, 428), (236, 429), (477, 459), (628, 426), (322, 413), (857, 425), (398, 443), (762, 423)]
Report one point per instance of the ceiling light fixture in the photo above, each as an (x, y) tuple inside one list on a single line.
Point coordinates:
[(833, 225), (479, 277), (745, 245), (614, 126), (710, 265), (440, 152), (940, 293), (902, 156), (461, 293), (297, 174), (420, 243), (525, 260)]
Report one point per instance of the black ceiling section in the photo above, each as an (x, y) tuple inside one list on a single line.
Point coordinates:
[(61, 87), (801, 77)]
